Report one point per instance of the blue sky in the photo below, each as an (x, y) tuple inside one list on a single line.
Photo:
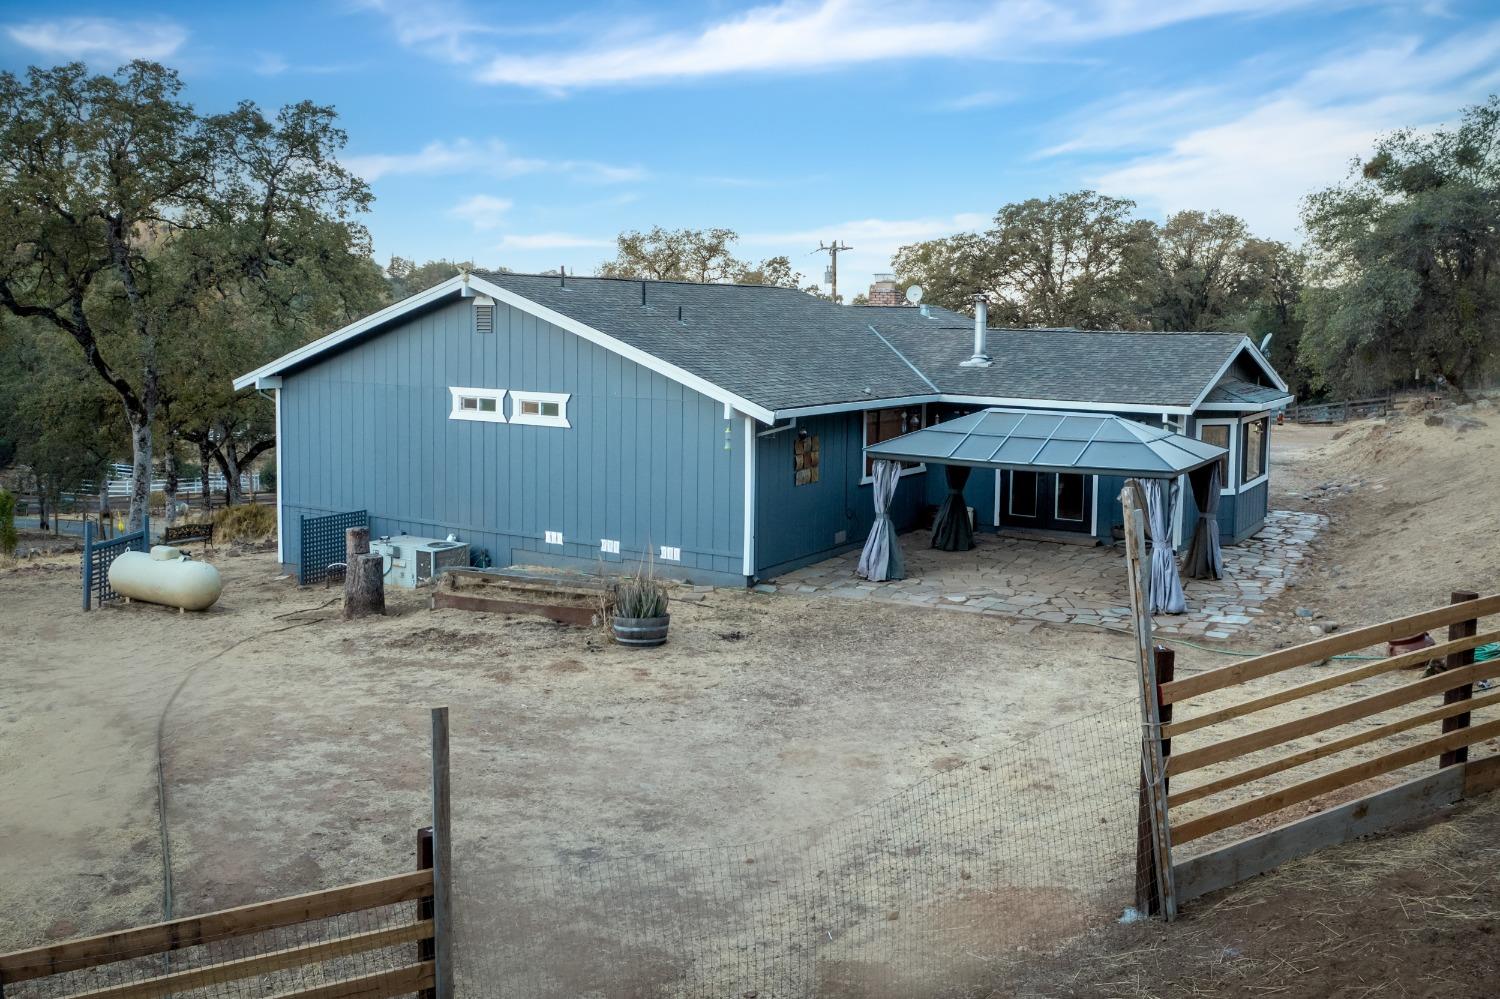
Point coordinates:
[(527, 136)]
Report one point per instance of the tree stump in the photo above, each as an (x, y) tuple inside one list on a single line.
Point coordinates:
[(364, 575)]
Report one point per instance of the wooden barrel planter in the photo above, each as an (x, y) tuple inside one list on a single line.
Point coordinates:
[(641, 632)]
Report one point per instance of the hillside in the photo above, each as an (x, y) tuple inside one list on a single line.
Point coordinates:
[(1414, 503)]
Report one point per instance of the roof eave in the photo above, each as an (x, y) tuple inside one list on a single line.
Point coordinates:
[(343, 334)]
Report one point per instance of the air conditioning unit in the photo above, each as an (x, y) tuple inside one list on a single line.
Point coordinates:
[(411, 561)]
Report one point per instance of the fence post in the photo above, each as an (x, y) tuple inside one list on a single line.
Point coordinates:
[(1153, 768), (1458, 660), (426, 951), (145, 532), (1148, 897), (87, 564), (442, 860)]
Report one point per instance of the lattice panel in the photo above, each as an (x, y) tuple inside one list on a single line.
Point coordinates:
[(323, 543)]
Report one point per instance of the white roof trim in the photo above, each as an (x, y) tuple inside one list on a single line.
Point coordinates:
[(1245, 347), (354, 329), (470, 283), (1245, 407)]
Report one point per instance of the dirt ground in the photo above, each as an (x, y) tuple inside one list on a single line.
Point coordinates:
[(293, 745)]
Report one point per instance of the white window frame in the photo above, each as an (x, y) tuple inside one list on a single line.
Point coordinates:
[(459, 394), (518, 397), (1228, 488), (1010, 494), (1265, 446), (1057, 499), (864, 437)]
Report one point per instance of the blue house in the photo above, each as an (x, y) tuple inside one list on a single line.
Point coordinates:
[(720, 429)]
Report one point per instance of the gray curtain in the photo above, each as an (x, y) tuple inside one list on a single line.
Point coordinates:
[(1166, 589), (1205, 559), (952, 530), (881, 559)]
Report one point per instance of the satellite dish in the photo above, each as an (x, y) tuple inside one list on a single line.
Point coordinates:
[(914, 294), (1265, 343)]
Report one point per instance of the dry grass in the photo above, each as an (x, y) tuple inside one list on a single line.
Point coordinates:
[(1408, 914), (245, 524)]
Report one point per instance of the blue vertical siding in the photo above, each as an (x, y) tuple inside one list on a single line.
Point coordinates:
[(1241, 514), (643, 463), (797, 525)]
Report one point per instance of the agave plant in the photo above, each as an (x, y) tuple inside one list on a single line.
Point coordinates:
[(641, 595)]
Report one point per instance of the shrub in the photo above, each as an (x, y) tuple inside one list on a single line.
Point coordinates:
[(246, 523), (7, 523)]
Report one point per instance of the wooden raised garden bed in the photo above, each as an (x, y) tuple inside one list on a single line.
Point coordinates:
[(562, 597)]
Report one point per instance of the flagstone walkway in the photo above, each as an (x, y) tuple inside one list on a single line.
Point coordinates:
[(1071, 584)]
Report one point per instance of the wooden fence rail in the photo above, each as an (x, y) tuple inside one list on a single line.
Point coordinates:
[(227, 924), (1341, 410), (1449, 681)]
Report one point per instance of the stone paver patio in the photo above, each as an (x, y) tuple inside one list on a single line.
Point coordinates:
[(1071, 584)]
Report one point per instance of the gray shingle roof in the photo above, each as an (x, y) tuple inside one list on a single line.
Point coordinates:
[(1150, 369), (777, 347), (784, 349)]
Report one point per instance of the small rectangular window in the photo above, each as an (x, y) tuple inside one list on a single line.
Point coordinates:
[(1218, 435), (484, 405), (1253, 453), (541, 409)]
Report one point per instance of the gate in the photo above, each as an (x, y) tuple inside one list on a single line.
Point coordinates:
[(98, 555), (323, 543)]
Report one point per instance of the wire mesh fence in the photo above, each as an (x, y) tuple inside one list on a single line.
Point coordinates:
[(927, 893), (376, 943)]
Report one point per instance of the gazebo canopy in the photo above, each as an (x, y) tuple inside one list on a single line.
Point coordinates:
[(1049, 441)]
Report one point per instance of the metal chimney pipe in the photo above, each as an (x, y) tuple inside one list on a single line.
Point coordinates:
[(981, 358)]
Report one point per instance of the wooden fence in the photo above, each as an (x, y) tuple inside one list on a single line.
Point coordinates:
[(246, 921), (1341, 411), (1448, 687), (236, 945)]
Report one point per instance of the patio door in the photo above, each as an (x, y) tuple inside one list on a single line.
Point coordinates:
[(1047, 501)]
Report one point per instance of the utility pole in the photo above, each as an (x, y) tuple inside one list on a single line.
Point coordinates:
[(833, 250)]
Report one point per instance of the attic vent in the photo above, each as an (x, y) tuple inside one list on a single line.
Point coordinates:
[(484, 316)]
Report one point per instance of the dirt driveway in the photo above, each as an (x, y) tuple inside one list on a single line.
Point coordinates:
[(294, 744)]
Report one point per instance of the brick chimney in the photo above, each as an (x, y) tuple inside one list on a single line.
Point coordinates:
[(884, 291)]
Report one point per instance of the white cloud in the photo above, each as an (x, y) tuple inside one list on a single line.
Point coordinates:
[(490, 157), (551, 241), (793, 36), (1259, 156), (482, 211), (100, 38), (975, 101), (271, 64)]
